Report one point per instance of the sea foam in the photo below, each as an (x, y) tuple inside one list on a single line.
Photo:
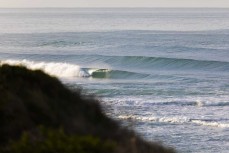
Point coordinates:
[(174, 120), (56, 69)]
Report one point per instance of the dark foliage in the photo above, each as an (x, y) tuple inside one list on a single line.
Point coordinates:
[(32, 102)]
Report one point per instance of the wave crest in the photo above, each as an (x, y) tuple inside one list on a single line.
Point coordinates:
[(52, 68)]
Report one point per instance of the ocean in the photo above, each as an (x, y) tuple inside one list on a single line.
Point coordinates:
[(161, 72)]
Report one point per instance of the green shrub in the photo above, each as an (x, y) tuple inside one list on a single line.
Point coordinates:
[(57, 141)]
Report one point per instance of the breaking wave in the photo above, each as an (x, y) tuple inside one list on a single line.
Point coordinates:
[(59, 69), (137, 62), (52, 68)]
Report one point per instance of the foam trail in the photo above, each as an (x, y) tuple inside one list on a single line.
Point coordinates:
[(155, 119), (214, 124), (177, 120), (52, 68)]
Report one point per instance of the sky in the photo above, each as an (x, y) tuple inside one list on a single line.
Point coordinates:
[(113, 3)]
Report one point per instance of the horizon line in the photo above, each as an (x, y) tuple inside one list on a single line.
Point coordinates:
[(102, 7)]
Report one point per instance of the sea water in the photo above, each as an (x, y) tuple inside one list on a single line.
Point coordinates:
[(162, 72)]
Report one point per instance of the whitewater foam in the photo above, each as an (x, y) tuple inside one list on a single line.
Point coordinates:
[(175, 120), (211, 123), (52, 68), (155, 119)]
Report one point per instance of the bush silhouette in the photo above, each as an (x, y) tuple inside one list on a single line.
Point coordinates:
[(39, 114)]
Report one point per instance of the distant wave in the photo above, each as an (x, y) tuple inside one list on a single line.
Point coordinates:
[(175, 120), (62, 43)]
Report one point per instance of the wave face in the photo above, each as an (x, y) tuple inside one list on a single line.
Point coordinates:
[(143, 62)]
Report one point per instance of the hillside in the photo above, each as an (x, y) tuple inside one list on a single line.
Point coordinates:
[(39, 114)]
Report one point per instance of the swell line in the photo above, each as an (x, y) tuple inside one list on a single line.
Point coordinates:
[(137, 62)]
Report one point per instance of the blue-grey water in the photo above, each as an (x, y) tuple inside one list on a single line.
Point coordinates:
[(162, 72)]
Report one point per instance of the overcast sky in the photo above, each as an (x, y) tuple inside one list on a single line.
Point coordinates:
[(114, 3)]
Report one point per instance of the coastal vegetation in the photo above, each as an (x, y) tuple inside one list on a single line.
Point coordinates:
[(39, 114)]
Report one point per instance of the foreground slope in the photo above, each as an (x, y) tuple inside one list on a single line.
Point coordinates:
[(39, 114)]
